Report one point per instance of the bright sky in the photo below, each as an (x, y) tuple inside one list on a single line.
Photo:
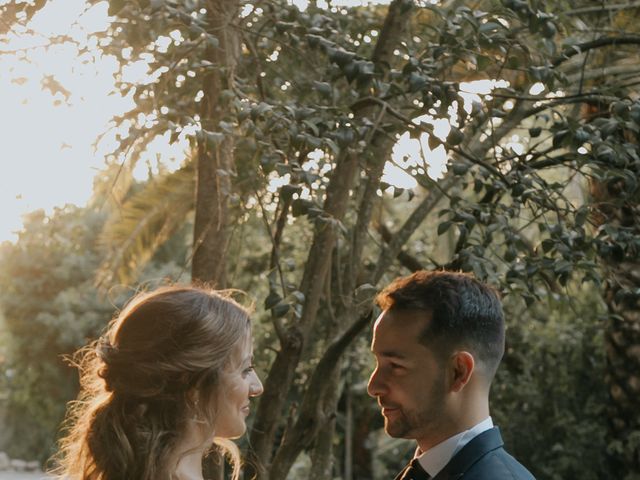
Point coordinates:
[(47, 136), (46, 141)]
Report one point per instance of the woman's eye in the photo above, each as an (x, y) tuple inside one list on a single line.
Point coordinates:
[(248, 370)]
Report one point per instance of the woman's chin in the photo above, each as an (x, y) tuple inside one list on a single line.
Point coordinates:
[(232, 433)]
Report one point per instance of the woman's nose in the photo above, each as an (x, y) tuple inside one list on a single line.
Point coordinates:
[(256, 387)]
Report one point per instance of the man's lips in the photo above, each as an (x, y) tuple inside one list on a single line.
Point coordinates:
[(389, 409)]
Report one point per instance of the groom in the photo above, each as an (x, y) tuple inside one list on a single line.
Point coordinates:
[(437, 345)]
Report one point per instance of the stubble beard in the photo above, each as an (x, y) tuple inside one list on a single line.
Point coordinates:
[(413, 424), (407, 424)]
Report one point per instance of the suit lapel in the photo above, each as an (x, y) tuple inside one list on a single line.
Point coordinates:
[(470, 454), (399, 476)]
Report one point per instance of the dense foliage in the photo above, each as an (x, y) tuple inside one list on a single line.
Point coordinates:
[(50, 307)]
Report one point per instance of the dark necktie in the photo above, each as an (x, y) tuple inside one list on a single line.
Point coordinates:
[(414, 471)]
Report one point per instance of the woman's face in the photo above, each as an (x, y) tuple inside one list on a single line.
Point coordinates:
[(239, 384)]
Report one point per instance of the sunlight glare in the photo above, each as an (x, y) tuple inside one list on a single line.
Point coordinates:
[(408, 152), (537, 88), (471, 91), (160, 155), (54, 105)]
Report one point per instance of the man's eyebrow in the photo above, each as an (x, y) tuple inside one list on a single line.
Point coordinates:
[(392, 354)]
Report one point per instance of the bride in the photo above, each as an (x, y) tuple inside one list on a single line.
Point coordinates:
[(172, 374)]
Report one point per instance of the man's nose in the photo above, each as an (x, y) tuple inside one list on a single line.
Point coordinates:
[(375, 387)]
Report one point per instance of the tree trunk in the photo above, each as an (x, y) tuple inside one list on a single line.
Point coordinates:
[(281, 373), (348, 433), (215, 166), (215, 151), (280, 378), (322, 453), (364, 424)]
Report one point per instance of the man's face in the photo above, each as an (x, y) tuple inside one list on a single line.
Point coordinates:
[(408, 382)]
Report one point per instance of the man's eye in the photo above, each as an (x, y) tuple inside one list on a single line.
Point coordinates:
[(395, 366)]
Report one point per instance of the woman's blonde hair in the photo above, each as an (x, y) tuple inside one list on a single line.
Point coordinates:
[(158, 366)]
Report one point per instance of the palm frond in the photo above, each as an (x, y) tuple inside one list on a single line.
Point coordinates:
[(145, 221)]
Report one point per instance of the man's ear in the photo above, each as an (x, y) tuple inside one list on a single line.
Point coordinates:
[(462, 366)]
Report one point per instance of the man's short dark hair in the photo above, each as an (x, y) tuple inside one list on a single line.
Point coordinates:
[(465, 313)]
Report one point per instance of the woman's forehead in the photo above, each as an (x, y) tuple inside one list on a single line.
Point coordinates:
[(242, 350)]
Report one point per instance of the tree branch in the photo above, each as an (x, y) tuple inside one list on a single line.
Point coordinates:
[(569, 52), (394, 247), (409, 262), (311, 416), (274, 261), (603, 8)]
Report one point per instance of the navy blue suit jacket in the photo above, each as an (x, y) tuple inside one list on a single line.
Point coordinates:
[(484, 458)]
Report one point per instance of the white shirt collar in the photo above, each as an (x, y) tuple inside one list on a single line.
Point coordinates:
[(435, 459)]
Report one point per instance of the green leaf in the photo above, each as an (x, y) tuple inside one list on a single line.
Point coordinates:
[(298, 296), (443, 227), (518, 189), (549, 30), (489, 27), (213, 138), (459, 168), (434, 142), (280, 310), (301, 206), (213, 41), (227, 127), (332, 145), (323, 88), (272, 300), (510, 254), (350, 71), (345, 137), (559, 138), (417, 82), (340, 56), (287, 191), (455, 136), (314, 40), (483, 62), (260, 109), (581, 216)]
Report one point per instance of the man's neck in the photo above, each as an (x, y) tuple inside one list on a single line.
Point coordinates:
[(435, 459), (473, 416)]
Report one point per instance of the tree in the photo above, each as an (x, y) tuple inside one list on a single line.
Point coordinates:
[(314, 107), (49, 308), (516, 157)]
